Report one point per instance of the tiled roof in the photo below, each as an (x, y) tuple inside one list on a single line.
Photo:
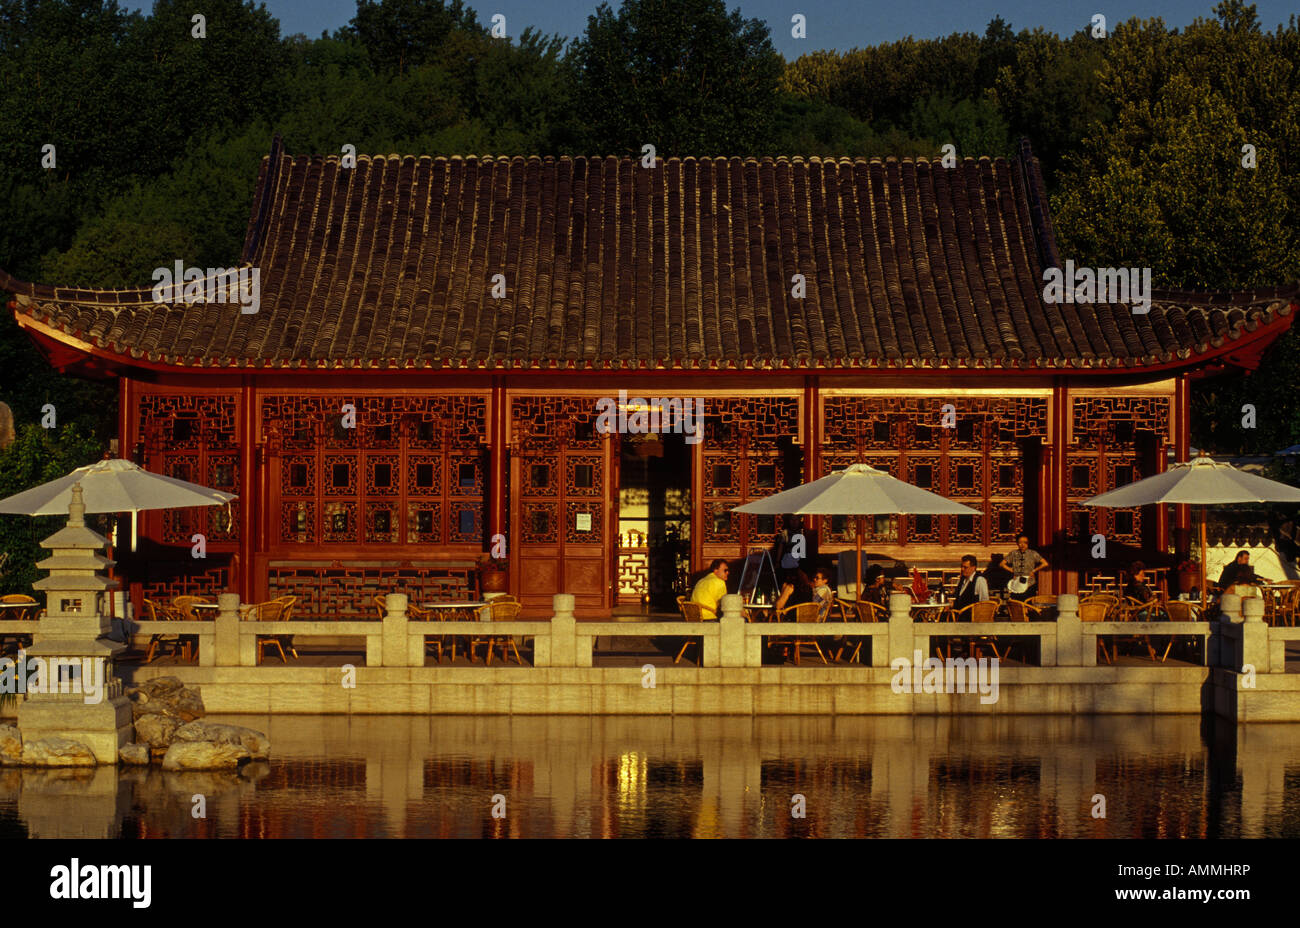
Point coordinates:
[(687, 264)]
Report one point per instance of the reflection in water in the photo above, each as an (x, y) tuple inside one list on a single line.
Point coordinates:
[(1032, 776)]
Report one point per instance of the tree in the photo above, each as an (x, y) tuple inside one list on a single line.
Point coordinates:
[(36, 456), (682, 75), (403, 34)]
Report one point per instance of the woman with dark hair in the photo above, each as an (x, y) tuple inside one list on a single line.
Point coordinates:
[(796, 589)]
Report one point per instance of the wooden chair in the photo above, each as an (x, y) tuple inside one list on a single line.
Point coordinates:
[(865, 612), (497, 612), (419, 614), (279, 609), (1289, 604), (35, 612), (975, 612), (1130, 610), (691, 612), (1098, 608), (811, 613), (176, 644), (1023, 611)]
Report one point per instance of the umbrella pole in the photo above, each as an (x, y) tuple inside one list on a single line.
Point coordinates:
[(134, 515), (857, 568), (1204, 598)]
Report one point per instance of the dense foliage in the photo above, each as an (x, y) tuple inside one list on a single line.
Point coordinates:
[(158, 135)]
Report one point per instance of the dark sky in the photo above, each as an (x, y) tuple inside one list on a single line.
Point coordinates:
[(838, 24)]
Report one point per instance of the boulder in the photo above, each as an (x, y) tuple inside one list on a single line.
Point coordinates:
[(134, 754), (255, 742), (11, 746), (204, 755), (157, 731), (57, 752), (160, 686), (181, 703)]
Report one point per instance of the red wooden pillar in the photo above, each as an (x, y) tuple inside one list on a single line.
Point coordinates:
[(812, 440), (1062, 579), (251, 507), (497, 461), (1183, 452)]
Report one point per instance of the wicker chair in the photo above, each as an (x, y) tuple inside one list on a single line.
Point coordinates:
[(497, 612), (691, 612), (20, 614), (810, 613), (1098, 608), (176, 644), (1130, 610), (866, 612), (986, 611), (273, 610)]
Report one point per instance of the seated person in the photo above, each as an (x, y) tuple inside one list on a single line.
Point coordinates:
[(796, 590), (1136, 588), (972, 587), (821, 586), (1243, 584), (711, 588), (876, 589), (995, 575), (1234, 569)]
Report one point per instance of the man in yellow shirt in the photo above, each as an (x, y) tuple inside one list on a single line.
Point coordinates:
[(711, 588)]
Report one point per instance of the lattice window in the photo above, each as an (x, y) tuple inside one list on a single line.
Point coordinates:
[(183, 436), (540, 523), (417, 474), (1117, 420), (545, 423), (583, 522), (582, 475), (976, 459), (165, 580), (298, 521)]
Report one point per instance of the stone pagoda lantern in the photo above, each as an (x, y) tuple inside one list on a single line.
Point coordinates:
[(78, 697)]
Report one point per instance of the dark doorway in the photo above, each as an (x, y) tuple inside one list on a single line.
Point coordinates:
[(654, 520)]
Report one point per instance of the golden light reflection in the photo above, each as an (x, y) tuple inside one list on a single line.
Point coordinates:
[(631, 780)]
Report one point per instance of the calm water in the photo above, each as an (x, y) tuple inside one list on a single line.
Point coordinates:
[(699, 777)]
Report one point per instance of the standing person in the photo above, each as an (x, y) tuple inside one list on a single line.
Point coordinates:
[(711, 588), (972, 587), (1024, 564)]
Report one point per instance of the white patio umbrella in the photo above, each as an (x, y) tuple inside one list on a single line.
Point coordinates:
[(113, 486), (858, 490), (1199, 482)]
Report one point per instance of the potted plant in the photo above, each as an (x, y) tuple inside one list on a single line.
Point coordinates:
[(1188, 577), (493, 574)]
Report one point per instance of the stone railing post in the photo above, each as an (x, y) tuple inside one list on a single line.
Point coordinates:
[(903, 637), (1229, 642), (1254, 636), (395, 638), (1070, 651), (225, 640), (560, 649), (729, 649)]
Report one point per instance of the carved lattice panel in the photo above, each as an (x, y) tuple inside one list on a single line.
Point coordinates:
[(1006, 521), (163, 581), (347, 592), (339, 522), (579, 513), (923, 529), (885, 423), (633, 572), (173, 422), (298, 521), (761, 422), (382, 522), (721, 525), (424, 522), (414, 455), (1116, 420), (547, 423), (540, 523), (583, 476), (383, 475), (425, 422), (965, 477)]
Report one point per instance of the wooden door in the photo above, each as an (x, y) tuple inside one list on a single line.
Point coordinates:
[(560, 522)]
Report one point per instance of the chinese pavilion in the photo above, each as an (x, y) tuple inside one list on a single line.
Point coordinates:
[(823, 311)]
